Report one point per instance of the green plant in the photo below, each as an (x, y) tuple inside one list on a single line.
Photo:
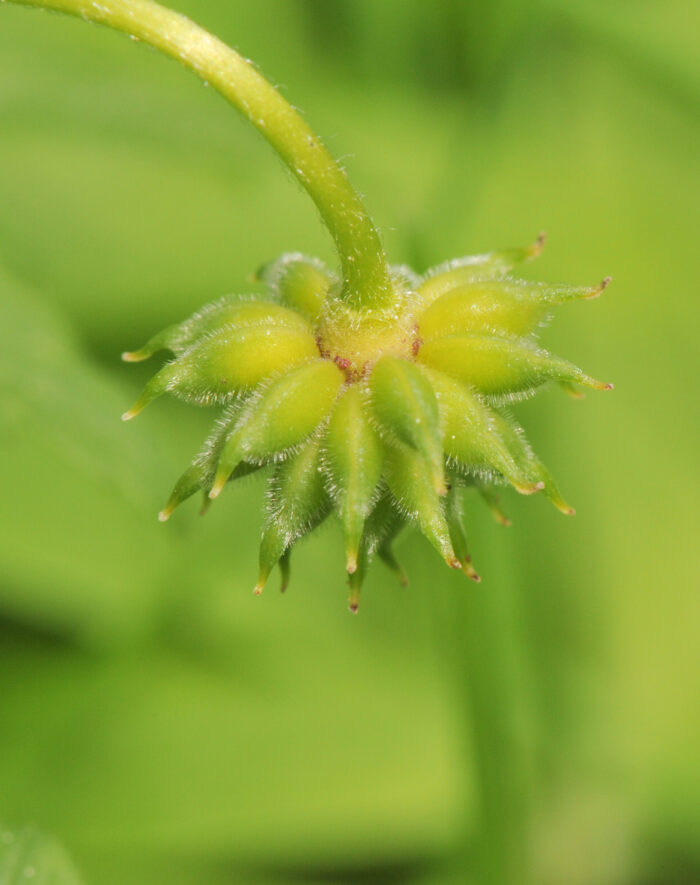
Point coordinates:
[(376, 392)]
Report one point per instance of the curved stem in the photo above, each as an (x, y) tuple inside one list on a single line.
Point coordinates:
[(365, 272)]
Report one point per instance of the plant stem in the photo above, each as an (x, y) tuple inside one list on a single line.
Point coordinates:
[(365, 273), (486, 658), (492, 682)]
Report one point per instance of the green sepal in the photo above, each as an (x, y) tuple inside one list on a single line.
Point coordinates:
[(498, 307), (228, 362), (356, 579), (493, 502), (406, 409), (300, 282), (478, 439), (514, 437), (453, 514), (501, 367), (233, 311), (200, 477), (488, 266), (279, 418), (382, 526), (408, 477), (354, 456), (297, 501)]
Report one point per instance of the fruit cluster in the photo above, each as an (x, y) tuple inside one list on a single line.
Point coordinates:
[(383, 415)]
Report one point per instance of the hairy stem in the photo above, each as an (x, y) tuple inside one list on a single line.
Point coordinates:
[(365, 273)]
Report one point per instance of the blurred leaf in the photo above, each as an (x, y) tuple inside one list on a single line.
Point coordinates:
[(29, 856), (80, 545)]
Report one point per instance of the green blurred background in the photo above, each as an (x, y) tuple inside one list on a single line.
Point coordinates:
[(165, 725)]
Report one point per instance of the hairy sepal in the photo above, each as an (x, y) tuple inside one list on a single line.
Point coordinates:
[(297, 501), (490, 265), (408, 477), (500, 307), (501, 367), (354, 458), (229, 362), (406, 409), (476, 437), (231, 311), (301, 282), (280, 417)]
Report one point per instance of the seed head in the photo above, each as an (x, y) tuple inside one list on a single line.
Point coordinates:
[(381, 416)]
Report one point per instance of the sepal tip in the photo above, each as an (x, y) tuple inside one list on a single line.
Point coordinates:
[(530, 488), (135, 356), (535, 250), (598, 290)]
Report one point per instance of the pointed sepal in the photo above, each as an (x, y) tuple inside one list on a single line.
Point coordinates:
[(488, 266), (497, 307), (228, 362), (408, 475), (406, 409), (300, 282), (476, 437), (282, 416), (297, 502), (354, 456), (232, 311), (493, 502), (501, 367), (382, 526), (453, 514)]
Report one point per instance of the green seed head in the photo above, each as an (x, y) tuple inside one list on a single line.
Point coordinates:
[(383, 415)]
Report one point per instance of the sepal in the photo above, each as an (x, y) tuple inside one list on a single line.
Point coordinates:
[(498, 307), (231, 311), (354, 456), (488, 266), (228, 362), (297, 502), (406, 409), (282, 416), (501, 367), (300, 282), (408, 477)]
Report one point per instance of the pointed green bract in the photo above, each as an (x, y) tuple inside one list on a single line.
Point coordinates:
[(453, 514), (475, 435), (354, 456), (282, 416), (229, 362), (301, 282), (498, 307), (408, 477), (235, 312), (493, 502), (514, 438), (297, 502), (491, 265), (200, 477), (404, 404), (500, 366), (382, 527)]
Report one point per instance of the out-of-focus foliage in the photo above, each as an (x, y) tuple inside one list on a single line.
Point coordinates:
[(27, 855), (163, 723)]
